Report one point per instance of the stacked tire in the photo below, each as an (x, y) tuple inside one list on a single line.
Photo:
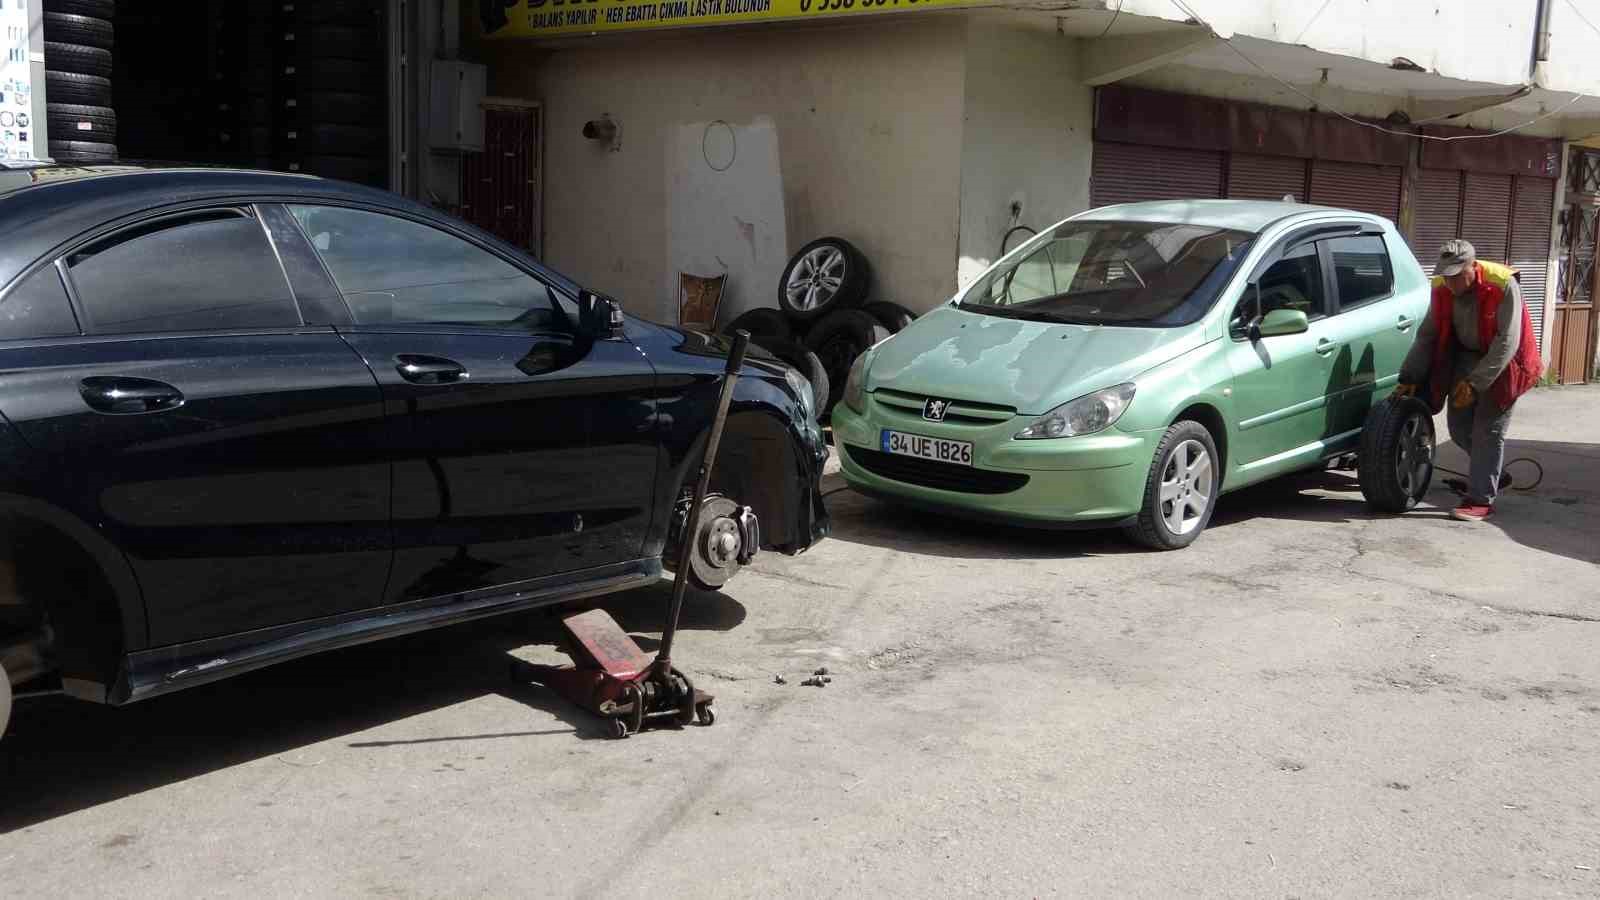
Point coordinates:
[(824, 320), (79, 38)]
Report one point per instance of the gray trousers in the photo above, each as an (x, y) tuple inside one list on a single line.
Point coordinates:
[(1480, 430)]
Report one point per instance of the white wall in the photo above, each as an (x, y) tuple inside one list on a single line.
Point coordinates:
[(1574, 63), (867, 121), (1027, 138), (1474, 40)]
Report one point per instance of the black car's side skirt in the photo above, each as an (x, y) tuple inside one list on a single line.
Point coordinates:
[(151, 673)]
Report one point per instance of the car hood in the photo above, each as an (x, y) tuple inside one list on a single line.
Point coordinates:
[(1030, 366)]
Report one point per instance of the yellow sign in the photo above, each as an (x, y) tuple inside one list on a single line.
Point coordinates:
[(555, 18)]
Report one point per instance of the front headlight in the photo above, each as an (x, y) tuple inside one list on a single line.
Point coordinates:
[(802, 388), (855, 385), (1085, 415)]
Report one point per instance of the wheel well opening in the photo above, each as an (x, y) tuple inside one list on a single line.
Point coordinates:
[(56, 602), (1208, 416), (755, 467)]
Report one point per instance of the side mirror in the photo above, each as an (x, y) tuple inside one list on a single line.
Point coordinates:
[(1280, 322), (599, 317)]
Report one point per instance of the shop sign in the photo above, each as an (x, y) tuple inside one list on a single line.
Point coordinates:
[(16, 85), (555, 18)]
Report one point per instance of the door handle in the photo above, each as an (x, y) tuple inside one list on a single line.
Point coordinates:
[(1405, 324), (1325, 347), (122, 396), (420, 369)]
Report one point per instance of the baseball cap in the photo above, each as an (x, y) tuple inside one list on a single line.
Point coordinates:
[(1454, 256)]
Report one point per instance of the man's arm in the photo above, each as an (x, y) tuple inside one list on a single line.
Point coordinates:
[(1507, 340), (1415, 369)]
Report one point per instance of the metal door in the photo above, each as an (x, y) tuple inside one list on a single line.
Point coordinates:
[(501, 187), (1130, 173), (1572, 329)]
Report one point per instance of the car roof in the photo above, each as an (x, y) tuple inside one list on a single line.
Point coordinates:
[(1241, 215), (44, 207)]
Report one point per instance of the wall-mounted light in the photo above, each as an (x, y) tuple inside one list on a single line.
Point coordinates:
[(604, 130)]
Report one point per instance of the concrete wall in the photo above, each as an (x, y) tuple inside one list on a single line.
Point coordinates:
[(867, 125), (1574, 63), (1027, 137), (1474, 40)]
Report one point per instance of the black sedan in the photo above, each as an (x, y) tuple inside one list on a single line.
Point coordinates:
[(252, 416)]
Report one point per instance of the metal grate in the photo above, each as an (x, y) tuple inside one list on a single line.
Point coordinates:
[(938, 475), (1358, 186), (500, 187), (1131, 173), (1437, 214), (1532, 206), (1486, 215), (1253, 177)]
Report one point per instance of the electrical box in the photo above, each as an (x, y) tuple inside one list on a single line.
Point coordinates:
[(456, 111)]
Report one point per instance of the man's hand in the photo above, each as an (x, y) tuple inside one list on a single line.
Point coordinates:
[(1463, 396), (1405, 390)]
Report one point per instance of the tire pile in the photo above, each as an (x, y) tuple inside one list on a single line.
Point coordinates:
[(309, 98), (824, 320), (78, 40)]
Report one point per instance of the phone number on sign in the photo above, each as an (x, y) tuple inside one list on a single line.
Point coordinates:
[(833, 5)]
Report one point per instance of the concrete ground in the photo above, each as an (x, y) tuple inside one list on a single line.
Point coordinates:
[(1309, 702)]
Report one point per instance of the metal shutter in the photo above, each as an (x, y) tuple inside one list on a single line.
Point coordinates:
[(1252, 177), (1357, 186), (1486, 215), (1436, 213), (1129, 173), (1532, 208)]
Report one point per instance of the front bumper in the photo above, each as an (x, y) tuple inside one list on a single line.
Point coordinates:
[(1071, 482)]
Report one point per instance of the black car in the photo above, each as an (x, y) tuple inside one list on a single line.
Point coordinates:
[(251, 416)]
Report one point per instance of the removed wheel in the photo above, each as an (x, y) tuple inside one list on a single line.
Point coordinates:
[(1396, 459), (763, 325), (76, 122), (82, 151), (894, 317), (807, 363), (77, 58), (70, 87), (70, 28), (1181, 490), (826, 275), (99, 9), (838, 339)]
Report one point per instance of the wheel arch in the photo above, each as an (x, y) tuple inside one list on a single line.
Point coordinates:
[(1211, 418)]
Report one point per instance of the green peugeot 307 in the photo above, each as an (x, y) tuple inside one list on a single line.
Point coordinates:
[(1131, 364)]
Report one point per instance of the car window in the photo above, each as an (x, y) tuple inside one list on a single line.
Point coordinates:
[(208, 270), (1362, 269), (1293, 282), (37, 308), (393, 270)]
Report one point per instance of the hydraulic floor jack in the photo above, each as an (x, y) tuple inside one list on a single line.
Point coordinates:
[(610, 675)]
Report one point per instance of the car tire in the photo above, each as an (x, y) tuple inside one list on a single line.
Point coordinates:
[(99, 9), (894, 317), (1168, 519), (76, 122), (77, 58), (837, 340), (82, 151), (762, 323), (827, 275), (71, 28), (805, 362), (70, 87), (1397, 451)]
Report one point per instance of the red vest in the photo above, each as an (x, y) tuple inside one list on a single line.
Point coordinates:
[(1521, 374)]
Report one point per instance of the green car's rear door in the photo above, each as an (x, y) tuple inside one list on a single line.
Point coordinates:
[(1374, 326)]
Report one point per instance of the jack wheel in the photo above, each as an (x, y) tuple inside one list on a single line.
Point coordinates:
[(619, 729), (705, 715)]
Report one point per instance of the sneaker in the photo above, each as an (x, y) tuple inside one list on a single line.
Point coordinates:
[(1471, 512), (1459, 485)]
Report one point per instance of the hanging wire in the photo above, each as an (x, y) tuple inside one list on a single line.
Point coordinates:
[(1113, 18)]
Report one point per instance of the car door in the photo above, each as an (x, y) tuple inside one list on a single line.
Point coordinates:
[(1372, 326), (233, 452), (1280, 383), (528, 451)]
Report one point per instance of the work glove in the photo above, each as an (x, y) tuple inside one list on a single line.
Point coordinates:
[(1463, 396), (1405, 390)]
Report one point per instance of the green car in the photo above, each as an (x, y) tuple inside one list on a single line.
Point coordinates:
[(1128, 366)]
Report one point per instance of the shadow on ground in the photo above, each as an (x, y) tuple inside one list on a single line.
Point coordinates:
[(61, 756)]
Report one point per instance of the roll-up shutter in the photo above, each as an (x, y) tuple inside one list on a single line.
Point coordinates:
[(1252, 177), (1532, 207), (1486, 214), (1130, 173), (1436, 214), (1358, 186)]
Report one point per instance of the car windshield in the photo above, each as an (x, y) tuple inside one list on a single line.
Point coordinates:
[(1112, 273)]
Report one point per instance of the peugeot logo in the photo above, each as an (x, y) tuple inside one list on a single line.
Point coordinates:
[(933, 410)]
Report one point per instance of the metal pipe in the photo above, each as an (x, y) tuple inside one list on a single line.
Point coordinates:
[(691, 525), (1541, 38)]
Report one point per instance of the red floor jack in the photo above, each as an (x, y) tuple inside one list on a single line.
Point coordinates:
[(610, 675)]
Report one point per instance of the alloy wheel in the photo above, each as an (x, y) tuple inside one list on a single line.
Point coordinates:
[(817, 278), (1414, 461), (1186, 487)]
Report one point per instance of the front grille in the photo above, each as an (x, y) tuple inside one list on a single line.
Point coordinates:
[(944, 476), (963, 412)]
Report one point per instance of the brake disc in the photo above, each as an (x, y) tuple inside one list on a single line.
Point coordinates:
[(718, 544)]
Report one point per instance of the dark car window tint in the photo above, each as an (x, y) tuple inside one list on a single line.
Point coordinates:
[(37, 308), (393, 270), (1361, 267), (209, 271)]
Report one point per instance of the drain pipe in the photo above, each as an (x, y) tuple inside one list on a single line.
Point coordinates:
[(1541, 42)]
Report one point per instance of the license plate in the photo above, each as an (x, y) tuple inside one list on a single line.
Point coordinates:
[(935, 449)]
